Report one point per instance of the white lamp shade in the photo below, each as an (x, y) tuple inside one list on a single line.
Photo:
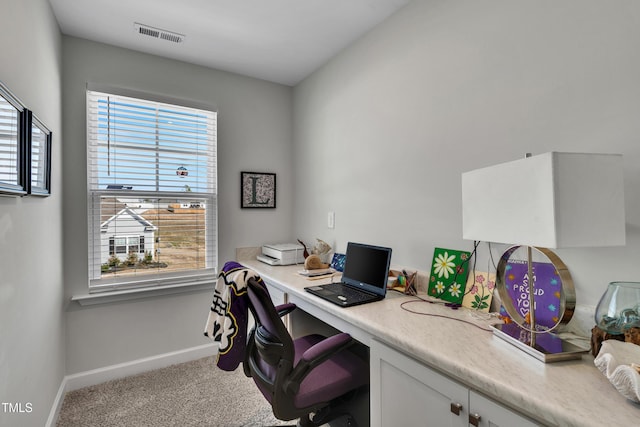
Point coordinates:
[(551, 200)]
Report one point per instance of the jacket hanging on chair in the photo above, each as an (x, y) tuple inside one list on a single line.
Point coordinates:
[(227, 321)]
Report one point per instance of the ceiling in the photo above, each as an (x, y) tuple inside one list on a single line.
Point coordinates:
[(282, 41)]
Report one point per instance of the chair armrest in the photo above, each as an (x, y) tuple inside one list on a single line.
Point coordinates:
[(314, 356), (284, 309), (326, 348)]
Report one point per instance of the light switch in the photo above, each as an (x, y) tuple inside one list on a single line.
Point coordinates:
[(331, 220)]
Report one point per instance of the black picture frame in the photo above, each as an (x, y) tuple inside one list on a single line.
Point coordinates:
[(13, 169), (38, 157), (257, 190)]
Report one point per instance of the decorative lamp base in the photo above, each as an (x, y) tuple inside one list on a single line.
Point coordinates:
[(548, 347)]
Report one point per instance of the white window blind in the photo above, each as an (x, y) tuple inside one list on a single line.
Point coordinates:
[(152, 192)]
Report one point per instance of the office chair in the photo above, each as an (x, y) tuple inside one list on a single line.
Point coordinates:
[(311, 374)]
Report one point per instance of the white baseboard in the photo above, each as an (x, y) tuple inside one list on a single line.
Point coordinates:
[(121, 370), (57, 404)]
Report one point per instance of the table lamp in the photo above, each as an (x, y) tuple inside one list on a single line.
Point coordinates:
[(552, 200)]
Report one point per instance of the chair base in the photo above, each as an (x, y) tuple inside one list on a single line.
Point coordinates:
[(342, 412), (345, 420)]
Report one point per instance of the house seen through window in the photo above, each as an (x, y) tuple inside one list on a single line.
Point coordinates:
[(152, 192)]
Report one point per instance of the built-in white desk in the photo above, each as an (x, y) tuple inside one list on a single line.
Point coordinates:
[(469, 360)]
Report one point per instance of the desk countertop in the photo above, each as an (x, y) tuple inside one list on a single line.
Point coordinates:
[(568, 393)]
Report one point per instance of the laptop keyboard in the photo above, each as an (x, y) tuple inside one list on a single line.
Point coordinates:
[(352, 294)]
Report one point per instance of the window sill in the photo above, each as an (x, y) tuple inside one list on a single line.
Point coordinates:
[(131, 294)]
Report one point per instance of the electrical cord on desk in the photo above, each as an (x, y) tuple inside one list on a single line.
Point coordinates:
[(451, 305), (473, 255)]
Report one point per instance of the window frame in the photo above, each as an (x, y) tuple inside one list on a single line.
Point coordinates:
[(22, 178), (195, 276)]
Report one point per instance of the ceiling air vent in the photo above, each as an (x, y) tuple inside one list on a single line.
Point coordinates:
[(157, 33)]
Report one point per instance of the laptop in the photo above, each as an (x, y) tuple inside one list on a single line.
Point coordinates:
[(364, 278)]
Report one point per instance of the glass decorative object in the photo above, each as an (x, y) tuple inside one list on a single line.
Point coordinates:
[(619, 308)]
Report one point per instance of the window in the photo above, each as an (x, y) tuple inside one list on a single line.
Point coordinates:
[(126, 245), (13, 141), (152, 192)]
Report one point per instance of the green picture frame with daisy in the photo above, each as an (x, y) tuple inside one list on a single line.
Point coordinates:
[(448, 278)]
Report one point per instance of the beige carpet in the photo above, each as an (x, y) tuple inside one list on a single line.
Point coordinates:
[(195, 393)]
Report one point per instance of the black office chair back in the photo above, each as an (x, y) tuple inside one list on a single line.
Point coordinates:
[(270, 351)]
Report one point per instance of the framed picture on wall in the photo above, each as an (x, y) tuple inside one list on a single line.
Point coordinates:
[(39, 158), (13, 144), (257, 190)]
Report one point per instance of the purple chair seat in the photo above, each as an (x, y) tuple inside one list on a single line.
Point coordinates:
[(332, 378)]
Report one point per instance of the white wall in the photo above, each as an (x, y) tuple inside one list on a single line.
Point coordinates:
[(383, 132), (32, 351), (254, 134)]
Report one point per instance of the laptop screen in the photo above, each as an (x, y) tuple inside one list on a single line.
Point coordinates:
[(367, 267)]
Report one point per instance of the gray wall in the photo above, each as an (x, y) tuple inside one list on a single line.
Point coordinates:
[(383, 131), (32, 350), (254, 134)]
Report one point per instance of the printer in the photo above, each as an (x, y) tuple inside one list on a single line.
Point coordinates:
[(282, 254)]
